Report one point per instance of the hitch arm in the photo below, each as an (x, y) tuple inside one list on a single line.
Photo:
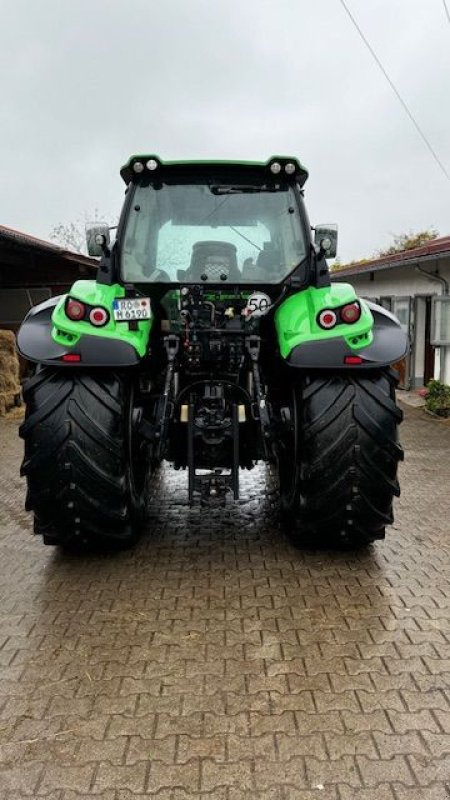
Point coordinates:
[(164, 408), (261, 408)]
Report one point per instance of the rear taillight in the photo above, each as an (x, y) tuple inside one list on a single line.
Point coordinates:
[(327, 319), (351, 313), (98, 317), (353, 360), (71, 358), (75, 310)]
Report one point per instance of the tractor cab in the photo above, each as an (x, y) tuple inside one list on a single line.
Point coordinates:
[(215, 224)]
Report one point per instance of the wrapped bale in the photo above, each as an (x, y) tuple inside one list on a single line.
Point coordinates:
[(9, 372)]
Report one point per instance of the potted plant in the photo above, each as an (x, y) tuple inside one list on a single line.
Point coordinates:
[(437, 399)]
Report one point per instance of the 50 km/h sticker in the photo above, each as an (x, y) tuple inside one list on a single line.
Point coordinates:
[(258, 304), (129, 308)]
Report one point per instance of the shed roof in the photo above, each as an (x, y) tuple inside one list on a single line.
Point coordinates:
[(432, 251), (10, 236)]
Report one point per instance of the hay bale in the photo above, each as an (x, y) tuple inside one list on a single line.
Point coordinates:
[(7, 342), (9, 372)]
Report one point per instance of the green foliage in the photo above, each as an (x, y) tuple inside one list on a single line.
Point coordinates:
[(402, 242), (337, 264), (438, 398), (409, 241)]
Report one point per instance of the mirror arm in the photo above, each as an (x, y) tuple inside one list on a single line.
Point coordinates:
[(320, 273), (106, 273)]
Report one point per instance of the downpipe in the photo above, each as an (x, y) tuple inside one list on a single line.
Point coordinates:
[(434, 277)]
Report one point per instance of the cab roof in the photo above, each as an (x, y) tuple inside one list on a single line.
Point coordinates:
[(129, 171)]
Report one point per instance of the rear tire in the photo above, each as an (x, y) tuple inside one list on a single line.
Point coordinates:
[(338, 464), (86, 470)]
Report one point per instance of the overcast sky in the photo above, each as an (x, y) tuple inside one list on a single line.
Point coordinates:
[(84, 84)]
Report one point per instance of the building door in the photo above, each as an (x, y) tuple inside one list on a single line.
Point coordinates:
[(402, 308), (429, 349), (418, 346), (423, 352)]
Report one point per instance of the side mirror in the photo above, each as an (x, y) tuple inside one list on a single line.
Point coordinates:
[(325, 238), (97, 238)]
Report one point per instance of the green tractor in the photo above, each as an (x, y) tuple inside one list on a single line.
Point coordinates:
[(214, 339)]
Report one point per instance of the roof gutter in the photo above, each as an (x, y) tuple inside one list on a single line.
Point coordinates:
[(402, 262)]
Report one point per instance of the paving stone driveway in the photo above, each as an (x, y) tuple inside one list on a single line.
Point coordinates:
[(215, 661)]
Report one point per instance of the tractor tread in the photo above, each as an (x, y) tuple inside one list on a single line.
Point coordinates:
[(76, 458), (347, 463)]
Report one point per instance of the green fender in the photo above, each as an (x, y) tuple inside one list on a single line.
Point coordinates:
[(48, 336), (375, 339)]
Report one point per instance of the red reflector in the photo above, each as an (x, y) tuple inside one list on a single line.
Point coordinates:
[(353, 360), (351, 313), (75, 310), (98, 316), (327, 318), (71, 357)]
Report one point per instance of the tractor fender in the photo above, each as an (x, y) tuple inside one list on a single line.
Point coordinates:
[(35, 343), (389, 344)]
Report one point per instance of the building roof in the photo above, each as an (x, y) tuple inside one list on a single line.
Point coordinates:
[(24, 240), (432, 251)]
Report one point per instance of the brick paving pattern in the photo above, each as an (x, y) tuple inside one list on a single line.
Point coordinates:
[(215, 661)]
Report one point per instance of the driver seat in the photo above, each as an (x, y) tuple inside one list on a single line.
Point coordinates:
[(213, 259)]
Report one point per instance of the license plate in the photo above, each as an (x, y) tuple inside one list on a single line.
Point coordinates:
[(129, 308)]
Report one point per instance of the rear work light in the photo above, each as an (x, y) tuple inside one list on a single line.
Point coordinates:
[(98, 317), (327, 318), (351, 313), (75, 310)]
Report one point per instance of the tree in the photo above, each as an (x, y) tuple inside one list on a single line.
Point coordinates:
[(409, 241), (337, 264), (402, 243), (72, 235)]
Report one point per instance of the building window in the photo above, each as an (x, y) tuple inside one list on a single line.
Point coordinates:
[(386, 302), (15, 303), (440, 320)]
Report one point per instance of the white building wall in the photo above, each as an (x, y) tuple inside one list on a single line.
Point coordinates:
[(398, 282)]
